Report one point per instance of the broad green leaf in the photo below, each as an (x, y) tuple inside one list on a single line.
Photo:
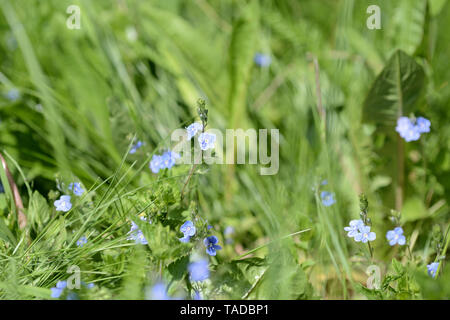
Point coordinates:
[(395, 91)]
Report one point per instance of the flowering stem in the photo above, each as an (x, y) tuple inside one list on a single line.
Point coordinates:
[(191, 172)]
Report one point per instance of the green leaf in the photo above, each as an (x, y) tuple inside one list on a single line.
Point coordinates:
[(395, 91)]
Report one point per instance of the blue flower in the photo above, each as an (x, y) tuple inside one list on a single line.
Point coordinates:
[(199, 270), (228, 231), (82, 241), (134, 148), (197, 296), (354, 228), (432, 269), (423, 125), (165, 161), (136, 234), (13, 94), (211, 245), (407, 129), (262, 60), (63, 204), (327, 198), (207, 140), (159, 292), (58, 290), (396, 237), (169, 158), (365, 235), (2, 190), (156, 163), (185, 239), (188, 230), (192, 129), (76, 188)]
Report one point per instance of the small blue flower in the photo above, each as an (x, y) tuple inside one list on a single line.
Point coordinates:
[(156, 163), (407, 129), (396, 237), (199, 270), (327, 198), (262, 60), (365, 235), (82, 241), (76, 188), (159, 292), (432, 269), (192, 129), (2, 190), (137, 146), (63, 204), (58, 290), (136, 234), (324, 182), (423, 125), (207, 140), (169, 158), (354, 228), (211, 245), (188, 230)]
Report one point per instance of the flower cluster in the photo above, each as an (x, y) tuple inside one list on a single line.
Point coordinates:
[(411, 131), (360, 232), (205, 139), (136, 234), (396, 237), (165, 161), (188, 230)]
